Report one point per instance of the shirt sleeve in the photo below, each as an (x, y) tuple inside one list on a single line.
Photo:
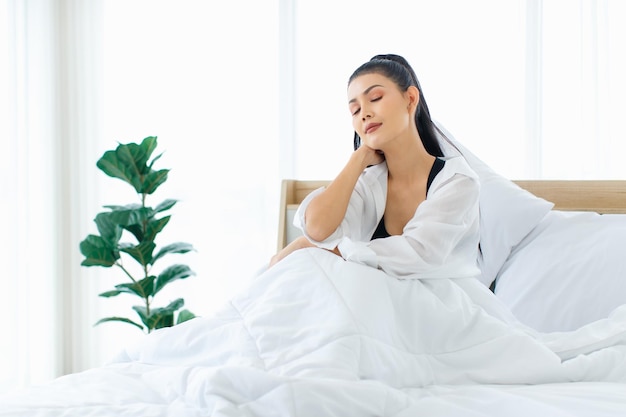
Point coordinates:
[(365, 206), (443, 234)]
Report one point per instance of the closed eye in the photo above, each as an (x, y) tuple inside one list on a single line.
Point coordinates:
[(355, 112)]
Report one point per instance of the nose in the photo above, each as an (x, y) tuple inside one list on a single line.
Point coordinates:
[(366, 113)]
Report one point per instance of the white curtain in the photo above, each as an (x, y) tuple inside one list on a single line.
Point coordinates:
[(582, 89), (28, 188), (48, 73), (240, 95)]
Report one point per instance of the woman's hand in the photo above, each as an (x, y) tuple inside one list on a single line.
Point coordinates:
[(300, 243), (369, 156)]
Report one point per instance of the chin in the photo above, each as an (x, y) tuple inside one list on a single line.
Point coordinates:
[(375, 143)]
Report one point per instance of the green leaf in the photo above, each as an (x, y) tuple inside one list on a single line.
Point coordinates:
[(109, 230), (136, 156), (165, 205), (170, 274), (178, 247), (162, 319), (143, 315), (154, 227), (142, 252), (173, 306), (120, 319), (130, 215), (108, 294), (159, 317), (142, 288), (115, 207), (156, 158), (137, 231), (185, 315), (153, 180), (129, 162), (97, 252), (111, 165), (148, 145)]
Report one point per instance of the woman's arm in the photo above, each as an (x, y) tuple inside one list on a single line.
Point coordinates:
[(326, 211), (299, 243), (333, 202)]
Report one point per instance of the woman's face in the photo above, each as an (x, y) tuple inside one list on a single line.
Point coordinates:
[(380, 111)]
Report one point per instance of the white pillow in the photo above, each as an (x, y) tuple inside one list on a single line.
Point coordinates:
[(507, 212), (569, 271)]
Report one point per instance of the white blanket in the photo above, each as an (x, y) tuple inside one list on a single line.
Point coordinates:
[(318, 336)]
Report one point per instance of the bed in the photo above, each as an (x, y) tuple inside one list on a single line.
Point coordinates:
[(317, 336)]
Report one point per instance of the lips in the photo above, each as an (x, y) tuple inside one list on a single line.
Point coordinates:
[(371, 127)]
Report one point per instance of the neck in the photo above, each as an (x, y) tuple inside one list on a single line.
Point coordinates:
[(408, 160)]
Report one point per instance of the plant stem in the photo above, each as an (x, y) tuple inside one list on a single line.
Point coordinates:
[(145, 297), (148, 311), (145, 267), (126, 272)]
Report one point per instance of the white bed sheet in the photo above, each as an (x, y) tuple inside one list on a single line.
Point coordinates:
[(318, 336)]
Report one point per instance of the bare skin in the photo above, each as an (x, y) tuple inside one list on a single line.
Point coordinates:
[(384, 118)]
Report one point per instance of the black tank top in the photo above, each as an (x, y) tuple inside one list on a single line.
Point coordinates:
[(381, 231)]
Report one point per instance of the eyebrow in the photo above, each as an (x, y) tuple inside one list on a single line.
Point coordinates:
[(367, 90)]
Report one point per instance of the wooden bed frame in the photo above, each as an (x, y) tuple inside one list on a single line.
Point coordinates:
[(602, 196)]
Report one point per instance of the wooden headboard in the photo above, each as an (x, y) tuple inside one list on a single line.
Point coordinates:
[(602, 196)]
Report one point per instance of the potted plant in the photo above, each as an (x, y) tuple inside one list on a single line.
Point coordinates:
[(131, 163)]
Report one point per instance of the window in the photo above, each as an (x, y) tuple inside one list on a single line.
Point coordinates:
[(532, 87)]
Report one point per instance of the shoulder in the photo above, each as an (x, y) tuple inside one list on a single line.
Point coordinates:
[(458, 165), (457, 170)]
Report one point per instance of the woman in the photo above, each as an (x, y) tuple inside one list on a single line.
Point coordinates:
[(398, 204)]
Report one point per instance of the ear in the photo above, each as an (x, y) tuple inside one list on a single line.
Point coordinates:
[(413, 96)]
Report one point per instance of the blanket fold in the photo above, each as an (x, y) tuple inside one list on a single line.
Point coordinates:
[(318, 336), (316, 315)]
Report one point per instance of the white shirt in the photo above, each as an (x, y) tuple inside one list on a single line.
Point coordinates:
[(440, 241)]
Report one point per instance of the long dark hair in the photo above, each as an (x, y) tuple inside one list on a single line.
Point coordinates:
[(397, 69)]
